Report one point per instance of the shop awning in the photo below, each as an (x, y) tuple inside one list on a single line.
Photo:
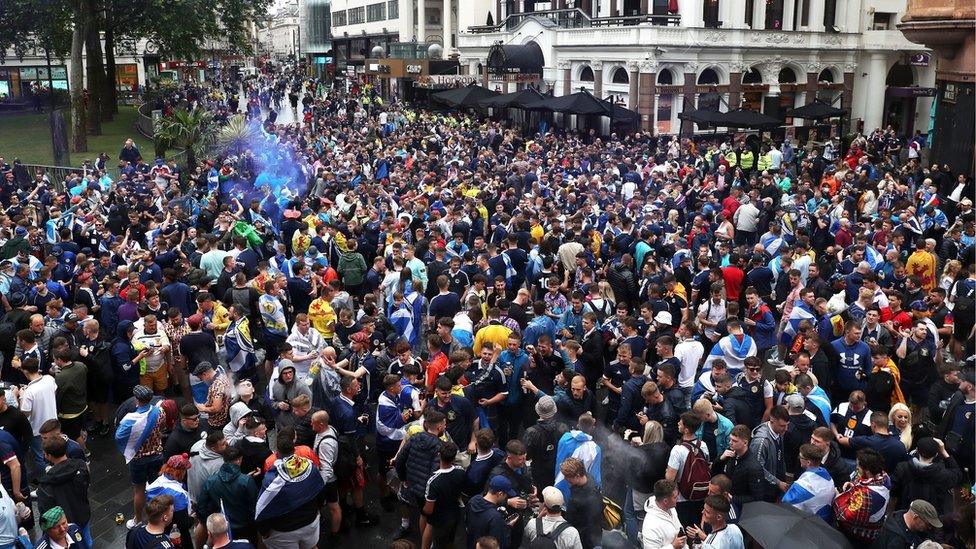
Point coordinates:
[(515, 59), (468, 96), (817, 110), (745, 118), (582, 102), (702, 117)]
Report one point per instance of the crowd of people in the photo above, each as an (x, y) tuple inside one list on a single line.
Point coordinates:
[(384, 313)]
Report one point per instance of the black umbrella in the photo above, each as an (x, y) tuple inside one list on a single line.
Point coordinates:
[(781, 526), (744, 118), (702, 117), (582, 102), (516, 100), (468, 96), (817, 110)]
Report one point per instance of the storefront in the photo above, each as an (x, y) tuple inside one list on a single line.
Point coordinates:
[(17, 82), (400, 76), (126, 76)]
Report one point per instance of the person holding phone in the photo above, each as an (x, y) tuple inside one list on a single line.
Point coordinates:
[(661, 528), (722, 535)]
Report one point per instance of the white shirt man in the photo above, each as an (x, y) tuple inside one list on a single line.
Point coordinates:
[(661, 526)]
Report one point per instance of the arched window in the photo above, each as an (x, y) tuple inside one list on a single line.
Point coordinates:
[(826, 75), (665, 78), (774, 14), (708, 77), (787, 76), (586, 75), (620, 76), (752, 77), (900, 75)]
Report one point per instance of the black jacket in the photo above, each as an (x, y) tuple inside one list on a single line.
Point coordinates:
[(484, 519), (66, 484), (912, 481), (895, 534), (735, 406), (541, 441), (642, 473), (665, 414), (840, 469), (746, 475), (585, 513), (592, 357), (180, 440), (417, 461)]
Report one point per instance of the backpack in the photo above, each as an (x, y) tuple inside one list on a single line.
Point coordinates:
[(695, 475), (345, 463), (547, 541)]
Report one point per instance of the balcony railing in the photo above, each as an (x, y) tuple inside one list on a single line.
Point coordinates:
[(576, 19)]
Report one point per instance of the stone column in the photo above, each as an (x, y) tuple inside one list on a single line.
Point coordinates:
[(645, 7), (646, 94), (421, 21), (735, 84), (406, 19), (597, 67), (633, 70), (691, 13), (789, 8), (759, 15), (447, 24), (817, 9), (877, 70), (566, 67), (688, 95)]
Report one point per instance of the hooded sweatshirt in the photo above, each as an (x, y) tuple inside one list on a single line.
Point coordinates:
[(122, 354), (231, 492), (205, 462), (233, 431), (484, 519), (66, 484)]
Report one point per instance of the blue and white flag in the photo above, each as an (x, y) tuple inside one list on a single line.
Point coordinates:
[(164, 485), (402, 320), (801, 311), (290, 484), (813, 492), (510, 272), (239, 346), (732, 351), (873, 257), (135, 428), (581, 446), (772, 243)]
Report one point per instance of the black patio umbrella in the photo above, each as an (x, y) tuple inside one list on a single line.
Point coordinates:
[(781, 526), (468, 96), (702, 117), (817, 110), (745, 118), (514, 100), (582, 102)]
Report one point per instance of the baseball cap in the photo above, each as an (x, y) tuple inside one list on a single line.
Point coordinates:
[(926, 512), (794, 403), (499, 483), (553, 498)]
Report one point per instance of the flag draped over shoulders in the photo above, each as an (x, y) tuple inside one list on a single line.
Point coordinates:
[(135, 428), (733, 351), (581, 446), (289, 484)]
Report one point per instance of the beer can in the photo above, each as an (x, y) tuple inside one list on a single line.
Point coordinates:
[(119, 518)]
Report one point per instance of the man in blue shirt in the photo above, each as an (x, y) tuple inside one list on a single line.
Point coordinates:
[(881, 440), (853, 360), (462, 420)]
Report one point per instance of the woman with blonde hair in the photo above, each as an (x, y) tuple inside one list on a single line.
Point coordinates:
[(900, 418), (647, 464), (949, 273)]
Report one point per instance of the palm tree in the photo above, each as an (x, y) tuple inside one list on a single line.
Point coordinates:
[(193, 131), (237, 136)]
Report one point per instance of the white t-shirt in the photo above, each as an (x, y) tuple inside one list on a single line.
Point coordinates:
[(689, 352), (729, 537), (679, 454), (38, 400)]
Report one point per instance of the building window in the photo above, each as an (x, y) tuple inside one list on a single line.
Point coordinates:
[(433, 16), (826, 76), (710, 11), (586, 75), (752, 99), (319, 24), (393, 9), (339, 18), (660, 7), (805, 13), (620, 76), (882, 21), (376, 12), (708, 77), (665, 78), (750, 9), (774, 14), (357, 15), (830, 15), (665, 103)]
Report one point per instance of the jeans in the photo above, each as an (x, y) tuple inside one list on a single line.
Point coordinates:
[(38, 455), (631, 525)]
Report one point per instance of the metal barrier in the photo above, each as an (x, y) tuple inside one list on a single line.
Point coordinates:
[(55, 174)]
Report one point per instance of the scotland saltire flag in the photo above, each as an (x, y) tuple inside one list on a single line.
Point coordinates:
[(510, 272), (772, 244), (402, 320), (134, 430), (732, 351), (239, 346), (801, 311), (873, 257), (165, 485), (382, 170), (290, 484), (813, 492), (581, 446)]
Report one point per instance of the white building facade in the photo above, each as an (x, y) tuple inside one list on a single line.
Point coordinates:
[(281, 35), (766, 55)]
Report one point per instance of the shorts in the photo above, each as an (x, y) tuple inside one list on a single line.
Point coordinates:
[(272, 345), (305, 537), (410, 499), (157, 381), (144, 469), (72, 426), (332, 492), (98, 387)]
